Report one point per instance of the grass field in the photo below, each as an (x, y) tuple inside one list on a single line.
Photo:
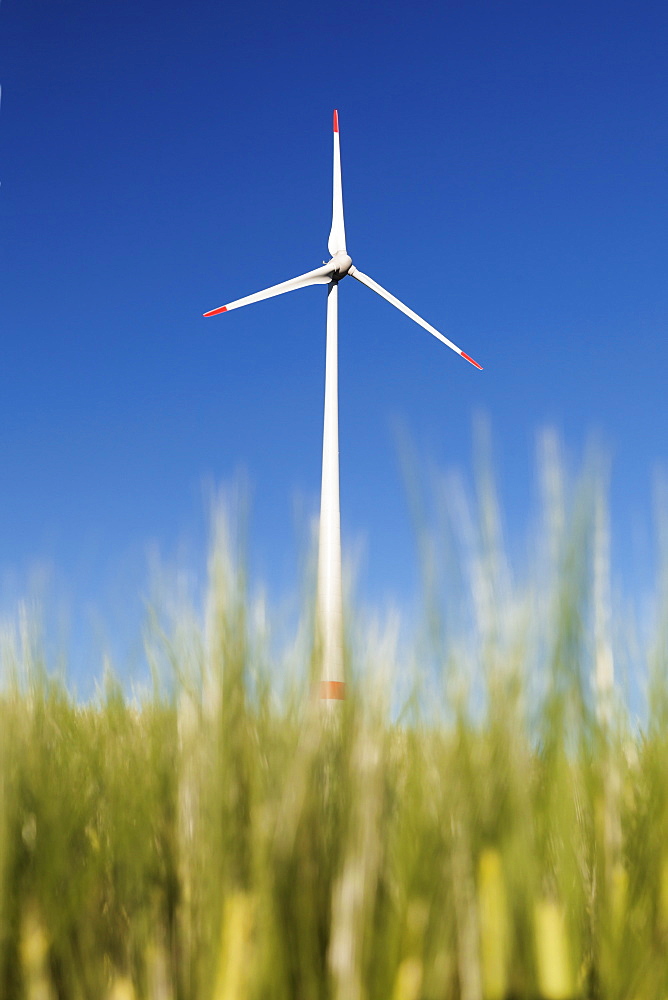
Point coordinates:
[(482, 818)]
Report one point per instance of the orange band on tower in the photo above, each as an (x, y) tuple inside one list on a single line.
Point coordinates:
[(332, 690)]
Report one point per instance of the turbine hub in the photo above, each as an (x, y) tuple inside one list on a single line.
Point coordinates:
[(340, 264)]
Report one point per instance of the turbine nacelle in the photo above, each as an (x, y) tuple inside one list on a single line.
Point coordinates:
[(340, 265)]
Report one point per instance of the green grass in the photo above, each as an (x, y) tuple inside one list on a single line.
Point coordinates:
[(482, 818)]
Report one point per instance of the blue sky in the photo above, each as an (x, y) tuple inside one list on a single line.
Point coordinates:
[(505, 169)]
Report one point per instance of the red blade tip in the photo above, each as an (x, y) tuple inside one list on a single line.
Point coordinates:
[(336, 121), (472, 361), (214, 312)]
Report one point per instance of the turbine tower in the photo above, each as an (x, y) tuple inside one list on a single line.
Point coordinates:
[(329, 623)]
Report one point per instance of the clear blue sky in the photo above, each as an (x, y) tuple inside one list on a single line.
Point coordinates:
[(505, 172)]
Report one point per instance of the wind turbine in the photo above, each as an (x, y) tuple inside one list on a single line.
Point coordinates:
[(329, 596)]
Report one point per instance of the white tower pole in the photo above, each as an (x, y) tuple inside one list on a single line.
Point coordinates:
[(330, 588)]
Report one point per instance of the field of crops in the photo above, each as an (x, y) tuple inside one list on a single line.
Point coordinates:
[(482, 818)]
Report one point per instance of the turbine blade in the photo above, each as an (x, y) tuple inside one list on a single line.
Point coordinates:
[(375, 287), (321, 276), (337, 237)]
